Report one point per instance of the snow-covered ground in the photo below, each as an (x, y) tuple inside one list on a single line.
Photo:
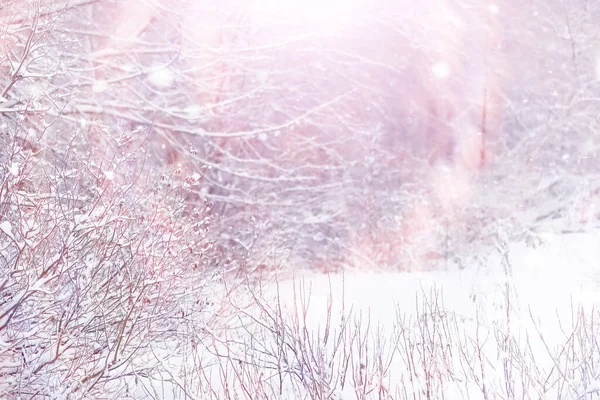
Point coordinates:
[(550, 277), (523, 313), (520, 323)]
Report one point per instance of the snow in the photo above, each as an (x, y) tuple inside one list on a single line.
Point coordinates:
[(564, 267), (319, 237), (162, 78), (441, 70), (519, 304), (193, 111), (6, 227), (14, 169), (532, 295), (99, 86), (263, 76), (110, 175)]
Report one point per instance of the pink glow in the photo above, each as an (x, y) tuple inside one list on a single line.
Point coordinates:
[(436, 80)]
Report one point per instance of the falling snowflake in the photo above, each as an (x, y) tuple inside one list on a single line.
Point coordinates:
[(441, 70), (99, 86), (161, 78), (263, 76), (128, 68), (193, 111)]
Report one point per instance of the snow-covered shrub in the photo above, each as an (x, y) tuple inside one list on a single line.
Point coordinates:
[(311, 339), (102, 261)]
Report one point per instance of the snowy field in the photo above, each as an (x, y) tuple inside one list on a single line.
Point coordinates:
[(521, 323)]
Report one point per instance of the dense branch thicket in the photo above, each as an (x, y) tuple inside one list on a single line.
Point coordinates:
[(102, 261), (149, 148), (334, 141)]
